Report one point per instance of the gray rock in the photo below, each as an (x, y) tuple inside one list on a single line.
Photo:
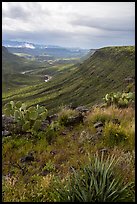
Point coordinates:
[(98, 124), (44, 125), (5, 133), (98, 135), (7, 123), (82, 109), (99, 129), (75, 120)]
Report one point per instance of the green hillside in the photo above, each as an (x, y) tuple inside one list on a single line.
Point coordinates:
[(72, 155), (84, 84)]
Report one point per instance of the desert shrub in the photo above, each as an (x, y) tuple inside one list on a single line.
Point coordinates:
[(96, 182), (114, 134), (65, 114)]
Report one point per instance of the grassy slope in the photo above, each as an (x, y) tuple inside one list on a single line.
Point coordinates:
[(86, 84), (71, 147)]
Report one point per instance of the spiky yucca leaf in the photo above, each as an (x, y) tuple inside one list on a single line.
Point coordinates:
[(96, 183)]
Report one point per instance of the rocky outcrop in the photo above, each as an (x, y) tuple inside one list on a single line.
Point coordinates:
[(82, 109), (7, 122), (75, 120), (7, 125), (5, 133), (99, 129)]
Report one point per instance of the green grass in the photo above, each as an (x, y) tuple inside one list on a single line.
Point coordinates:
[(59, 150), (83, 84)]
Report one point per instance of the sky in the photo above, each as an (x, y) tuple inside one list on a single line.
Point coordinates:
[(70, 24)]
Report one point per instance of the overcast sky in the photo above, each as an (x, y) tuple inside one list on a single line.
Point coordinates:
[(70, 24)]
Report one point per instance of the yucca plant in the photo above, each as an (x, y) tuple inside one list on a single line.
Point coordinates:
[(95, 183)]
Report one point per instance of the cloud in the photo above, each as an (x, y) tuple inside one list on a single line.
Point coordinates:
[(108, 24), (15, 12), (79, 24)]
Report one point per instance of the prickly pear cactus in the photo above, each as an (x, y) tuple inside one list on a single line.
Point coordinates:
[(30, 119), (119, 99)]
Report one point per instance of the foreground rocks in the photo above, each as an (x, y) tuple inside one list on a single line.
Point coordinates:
[(7, 125)]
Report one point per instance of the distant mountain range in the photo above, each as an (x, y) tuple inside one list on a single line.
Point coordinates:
[(17, 44), (40, 49)]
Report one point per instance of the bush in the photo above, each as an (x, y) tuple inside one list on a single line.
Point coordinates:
[(65, 114), (101, 117), (95, 183), (114, 134)]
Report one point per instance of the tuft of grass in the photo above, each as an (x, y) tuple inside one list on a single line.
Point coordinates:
[(114, 134), (65, 114)]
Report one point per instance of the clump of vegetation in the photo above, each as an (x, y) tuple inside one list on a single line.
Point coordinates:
[(65, 114), (120, 99), (114, 134), (95, 182), (50, 167), (52, 131), (29, 120)]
